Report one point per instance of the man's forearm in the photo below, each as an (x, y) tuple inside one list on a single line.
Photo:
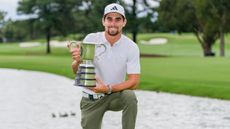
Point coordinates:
[(131, 83), (75, 66)]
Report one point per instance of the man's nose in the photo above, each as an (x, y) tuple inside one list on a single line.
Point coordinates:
[(113, 21)]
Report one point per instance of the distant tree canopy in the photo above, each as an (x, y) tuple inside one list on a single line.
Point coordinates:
[(139, 14), (49, 18), (51, 15), (2, 16), (207, 19), (92, 15)]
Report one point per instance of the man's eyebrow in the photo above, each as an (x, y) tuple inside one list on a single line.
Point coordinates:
[(108, 17), (118, 18), (115, 17)]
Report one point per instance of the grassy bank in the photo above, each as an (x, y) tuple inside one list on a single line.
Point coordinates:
[(184, 71), (194, 76)]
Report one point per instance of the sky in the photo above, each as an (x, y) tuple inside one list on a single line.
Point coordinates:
[(10, 6)]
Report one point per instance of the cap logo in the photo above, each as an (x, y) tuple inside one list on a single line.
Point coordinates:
[(114, 8)]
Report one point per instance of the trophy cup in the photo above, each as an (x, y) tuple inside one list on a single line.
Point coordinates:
[(85, 76)]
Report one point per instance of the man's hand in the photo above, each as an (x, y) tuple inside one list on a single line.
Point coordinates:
[(101, 87), (75, 50)]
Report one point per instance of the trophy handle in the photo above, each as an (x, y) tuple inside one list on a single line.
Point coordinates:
[(101, 52), (74, 44), (81, 50)]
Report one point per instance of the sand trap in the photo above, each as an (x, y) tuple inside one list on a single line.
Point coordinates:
[(38, 100), (29, 44), (53, 43), (155, 41)]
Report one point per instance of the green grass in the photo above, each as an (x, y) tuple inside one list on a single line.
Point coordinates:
[(193, 76), (52, 64), (179, 45), (185, 71)]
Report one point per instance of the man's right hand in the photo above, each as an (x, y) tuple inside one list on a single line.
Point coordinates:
[(76, 55), (76, 52)]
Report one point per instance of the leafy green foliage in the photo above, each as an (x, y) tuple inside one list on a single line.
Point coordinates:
[(204, 18)]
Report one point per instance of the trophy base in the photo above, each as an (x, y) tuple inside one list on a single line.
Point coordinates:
[(82, 82), (85, 76)]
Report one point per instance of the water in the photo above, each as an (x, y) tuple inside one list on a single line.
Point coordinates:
[(37, 100)]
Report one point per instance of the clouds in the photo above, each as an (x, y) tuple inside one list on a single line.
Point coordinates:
[(9, 6)]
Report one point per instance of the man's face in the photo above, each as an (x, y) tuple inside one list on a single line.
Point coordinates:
[(113, 23)]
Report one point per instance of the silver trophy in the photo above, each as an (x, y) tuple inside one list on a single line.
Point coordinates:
[(85, 76)]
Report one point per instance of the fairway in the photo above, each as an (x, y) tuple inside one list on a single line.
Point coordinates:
[(187, 75)]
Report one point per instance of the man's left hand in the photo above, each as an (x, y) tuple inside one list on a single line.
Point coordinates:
[(101, 87)]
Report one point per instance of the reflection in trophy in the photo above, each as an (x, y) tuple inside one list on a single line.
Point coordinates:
[(85, 76)]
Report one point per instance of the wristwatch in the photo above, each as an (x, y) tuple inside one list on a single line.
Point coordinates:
[(110, 89)]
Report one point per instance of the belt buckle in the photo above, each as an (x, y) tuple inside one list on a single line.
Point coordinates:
[(91, 97)]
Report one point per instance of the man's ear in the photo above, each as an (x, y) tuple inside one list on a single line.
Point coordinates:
[(103, 21), (124, 24)]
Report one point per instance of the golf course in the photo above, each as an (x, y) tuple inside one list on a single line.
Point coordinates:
[(176, 66)]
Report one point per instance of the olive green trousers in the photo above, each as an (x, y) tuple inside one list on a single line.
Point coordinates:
[(92, 112)]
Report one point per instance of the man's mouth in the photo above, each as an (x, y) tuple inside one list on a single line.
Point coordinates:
[(113, 27)]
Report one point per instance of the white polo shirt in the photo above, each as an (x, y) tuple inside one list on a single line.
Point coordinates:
[(112, 63)]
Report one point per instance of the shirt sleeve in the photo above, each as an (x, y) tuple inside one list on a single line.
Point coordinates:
[(92, 37), (88, 38), (133, 63)]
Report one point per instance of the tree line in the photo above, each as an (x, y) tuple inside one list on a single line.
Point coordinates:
[(57, 17), (207, 19)]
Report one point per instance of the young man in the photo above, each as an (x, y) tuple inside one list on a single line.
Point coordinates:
[(121, 58)]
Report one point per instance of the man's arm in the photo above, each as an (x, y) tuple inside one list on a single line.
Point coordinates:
[(131, 83), (75, 65)]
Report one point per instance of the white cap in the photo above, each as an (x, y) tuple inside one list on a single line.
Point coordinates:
[(114, 8)]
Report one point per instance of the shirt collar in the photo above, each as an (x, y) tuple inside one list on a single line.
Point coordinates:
[(106, 42)]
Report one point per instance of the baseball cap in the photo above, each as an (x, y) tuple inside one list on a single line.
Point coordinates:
[(114, 8)]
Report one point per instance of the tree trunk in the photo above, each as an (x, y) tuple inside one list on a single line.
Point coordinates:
[(31, 28), (135, 24), (207, 49), (48, 50), (134, 36), (221, 43)]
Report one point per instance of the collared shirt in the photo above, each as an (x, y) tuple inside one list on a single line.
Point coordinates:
[(112, 63)]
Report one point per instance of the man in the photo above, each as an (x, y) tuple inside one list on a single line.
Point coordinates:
[(121, 57)]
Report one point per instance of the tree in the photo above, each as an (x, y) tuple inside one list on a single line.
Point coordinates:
[(91, 15), (200, 17), (135, 14), (138, 13), (2, 16), (15, 30), (221, 16), (51, 15)]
